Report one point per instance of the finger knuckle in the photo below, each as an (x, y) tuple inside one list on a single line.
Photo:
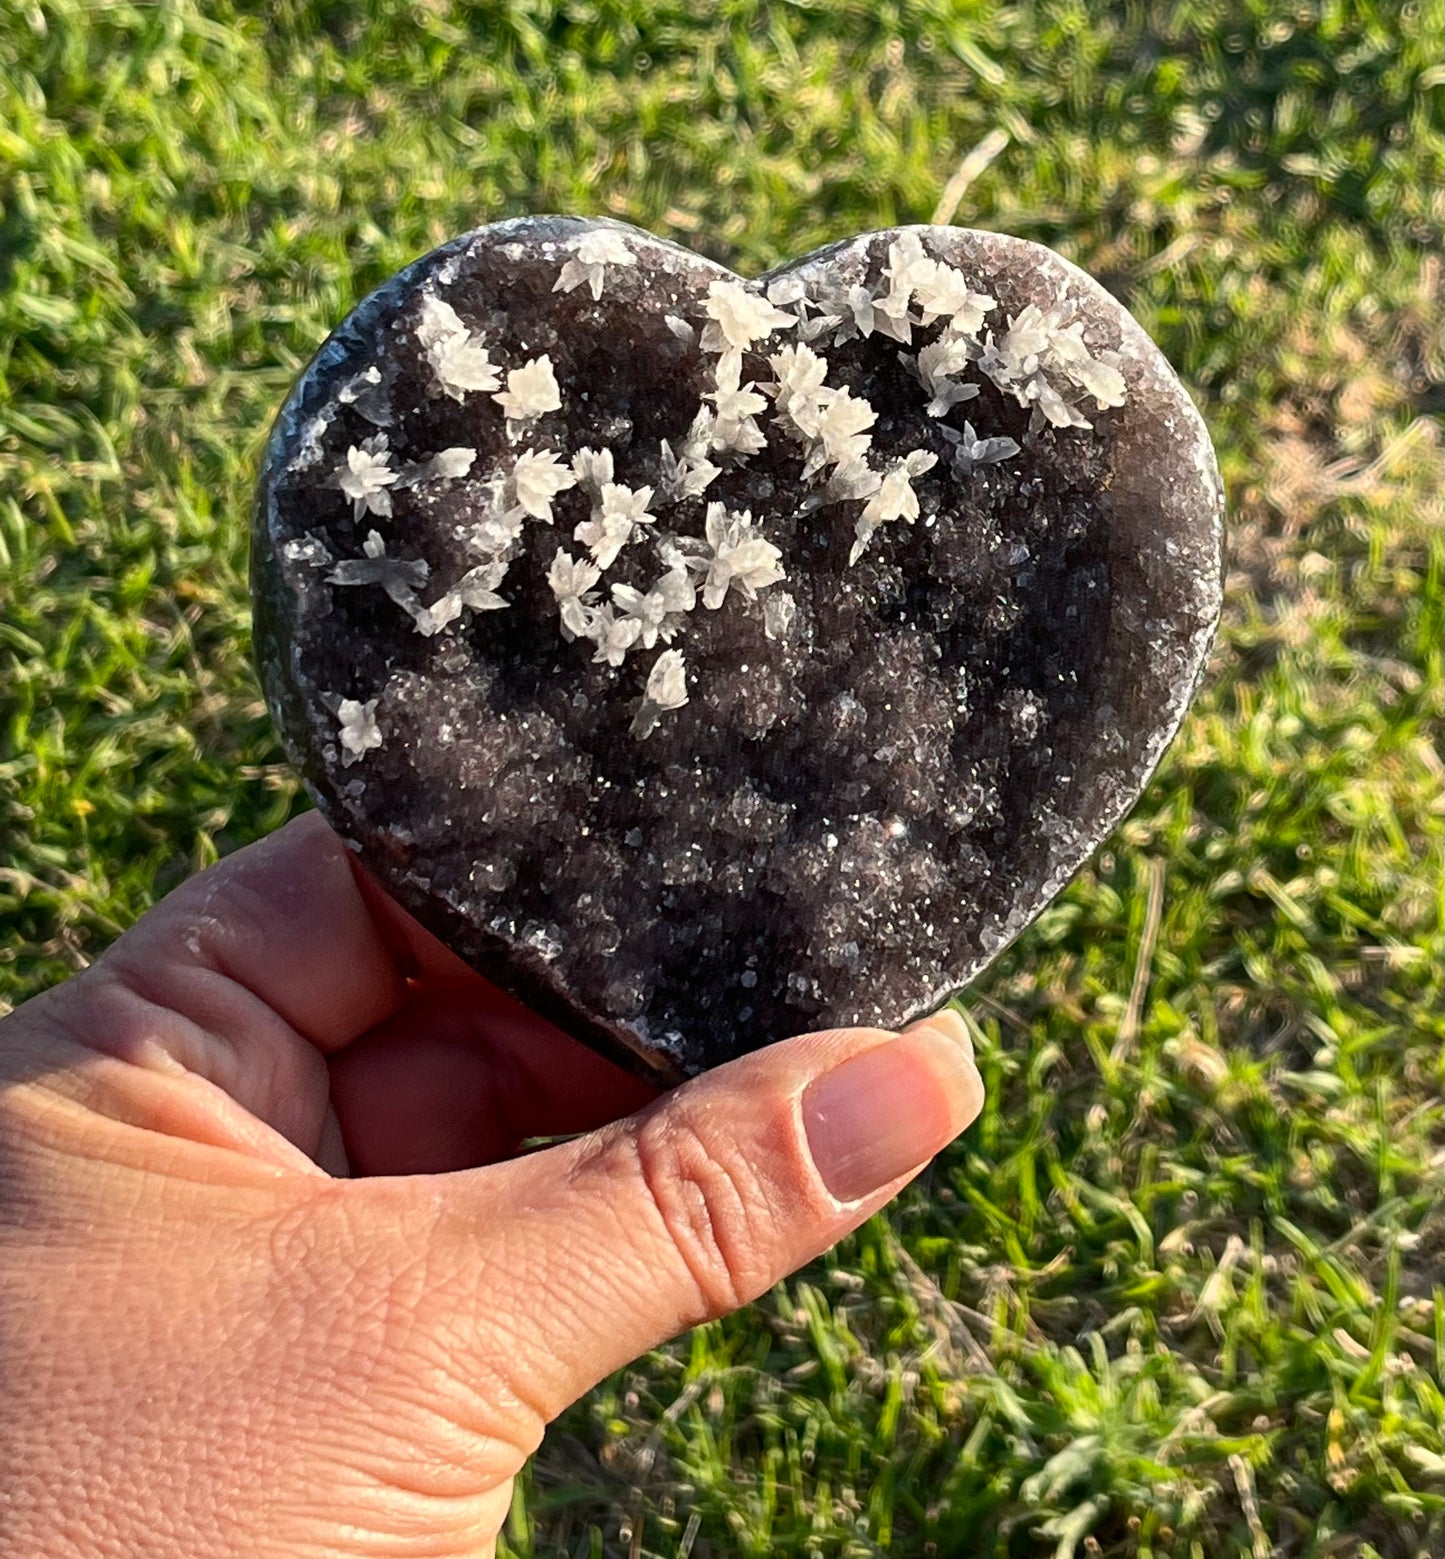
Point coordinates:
[(713, 1210)]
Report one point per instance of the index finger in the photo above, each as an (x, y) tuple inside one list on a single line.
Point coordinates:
[(255, 972)]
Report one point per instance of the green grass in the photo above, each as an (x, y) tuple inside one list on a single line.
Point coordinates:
[(1179, 1291)]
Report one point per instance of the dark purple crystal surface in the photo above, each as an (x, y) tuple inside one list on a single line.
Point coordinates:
[(707, 661)]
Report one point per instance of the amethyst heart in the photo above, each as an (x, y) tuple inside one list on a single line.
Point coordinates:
[(706, 660)]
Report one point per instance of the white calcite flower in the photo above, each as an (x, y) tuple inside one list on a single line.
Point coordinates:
[(681, 328), (438, 319), (447, 465), (698, 439), (969, 450), (596, 250), (737, 317), (860, 318), (1038, 358), (732, 399), (736, 555), (895, 498), (833, 313), (593, 469), (684, 475), (847, 311), (1050, 405), (936, 365), (367, 475), (740, 436), (613, 635), (569, 576), (532, 391), (620, 509), (851, 480), (940, 290), (476, 591), (666, 689), (943, 292), (374, 567), (500, 518), (667, 681), (401, 578), (1067, 354), (735, 429), (801, 373), (1025, 340), (463, 363), (536, 479), (604, 535), (367, 393), (458, 356), (358, 731), (573, 581), (843, 425), (831, 422), (838, 427), (1016, 361), (905, 266), (791, 287), (662, 609)]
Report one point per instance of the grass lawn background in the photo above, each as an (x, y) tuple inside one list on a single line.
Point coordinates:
[(1179, 1291)]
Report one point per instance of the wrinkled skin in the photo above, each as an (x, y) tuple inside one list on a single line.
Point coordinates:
[(272, 1281)]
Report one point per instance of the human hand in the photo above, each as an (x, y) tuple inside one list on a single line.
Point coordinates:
[(270, 1282)]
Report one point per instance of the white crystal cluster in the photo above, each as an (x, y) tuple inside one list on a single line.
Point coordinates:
[(401, 578), (1036, 357), (458, 356), (596, 250), (358, 732), (1043, 363), (918, 291)]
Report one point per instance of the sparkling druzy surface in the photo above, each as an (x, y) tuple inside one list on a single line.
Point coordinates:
[(707, 661)]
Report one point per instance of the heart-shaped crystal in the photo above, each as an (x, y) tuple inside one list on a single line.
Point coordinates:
[(708, 660)]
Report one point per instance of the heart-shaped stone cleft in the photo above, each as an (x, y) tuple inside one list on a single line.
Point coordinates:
[(707, 661)]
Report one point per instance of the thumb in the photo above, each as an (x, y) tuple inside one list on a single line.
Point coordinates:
[(698, 1204)]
